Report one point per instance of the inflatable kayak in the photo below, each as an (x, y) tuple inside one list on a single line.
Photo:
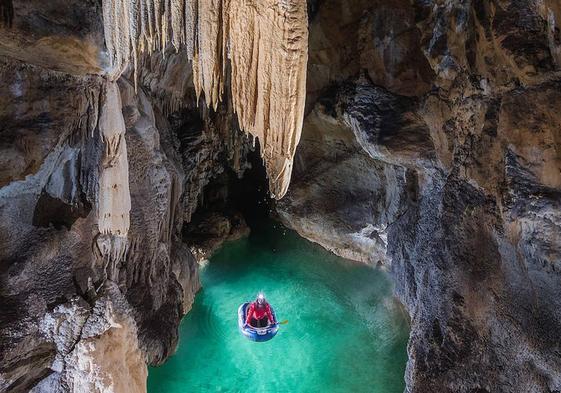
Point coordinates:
[(253, 333)]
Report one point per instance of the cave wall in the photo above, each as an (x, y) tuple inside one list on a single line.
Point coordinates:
[(431, 146), (58, 255), (97, 179)]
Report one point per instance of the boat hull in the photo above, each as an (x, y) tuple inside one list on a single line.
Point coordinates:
[(252, 333)]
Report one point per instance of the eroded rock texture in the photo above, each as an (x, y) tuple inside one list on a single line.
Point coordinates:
[(263, 44), (96, 181), (432, 144), (61, 239)]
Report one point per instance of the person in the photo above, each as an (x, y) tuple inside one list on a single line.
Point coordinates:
[(259, 314)]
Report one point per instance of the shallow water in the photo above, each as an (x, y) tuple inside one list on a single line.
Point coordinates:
[(345, 331)]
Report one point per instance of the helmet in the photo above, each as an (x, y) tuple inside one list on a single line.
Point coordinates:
[(260, 299)]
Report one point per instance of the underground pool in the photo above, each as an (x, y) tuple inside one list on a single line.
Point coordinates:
[(345, 330)]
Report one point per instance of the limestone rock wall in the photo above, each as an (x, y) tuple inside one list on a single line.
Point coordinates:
[(263, 44), (341, 197), (48, 222), (69, 229), (461, 101), (60, 35), (97, 347), (96, 181)]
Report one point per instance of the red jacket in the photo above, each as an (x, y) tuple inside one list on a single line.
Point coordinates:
[(259, 313)]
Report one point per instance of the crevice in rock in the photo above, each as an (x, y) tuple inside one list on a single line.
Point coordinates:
[(52, 211), (7, 12), (229, 208)]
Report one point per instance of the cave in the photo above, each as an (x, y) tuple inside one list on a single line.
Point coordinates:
[(388, 172)]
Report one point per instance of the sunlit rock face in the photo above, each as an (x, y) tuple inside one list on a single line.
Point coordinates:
[(439, 157)]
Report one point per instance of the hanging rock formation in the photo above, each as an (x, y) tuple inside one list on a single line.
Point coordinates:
[(263, 43), (114, 200)]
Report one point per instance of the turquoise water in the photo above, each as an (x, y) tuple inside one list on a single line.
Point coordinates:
[(345, 331)]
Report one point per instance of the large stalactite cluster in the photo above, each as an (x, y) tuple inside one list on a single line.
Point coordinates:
[(262, 43)]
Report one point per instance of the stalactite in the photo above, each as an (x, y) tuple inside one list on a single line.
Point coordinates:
[(114, 195), (265, 42), (269, 79)]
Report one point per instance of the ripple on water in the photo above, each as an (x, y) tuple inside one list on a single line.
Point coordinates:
[(345, 333)]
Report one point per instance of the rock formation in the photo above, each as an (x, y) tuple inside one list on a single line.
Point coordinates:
[(264, 44), (430, 145), (97, 179)]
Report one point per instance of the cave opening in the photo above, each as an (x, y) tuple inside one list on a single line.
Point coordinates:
[(250, 194), (230, 206)]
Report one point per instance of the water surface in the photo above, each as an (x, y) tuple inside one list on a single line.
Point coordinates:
[(345, 331)]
